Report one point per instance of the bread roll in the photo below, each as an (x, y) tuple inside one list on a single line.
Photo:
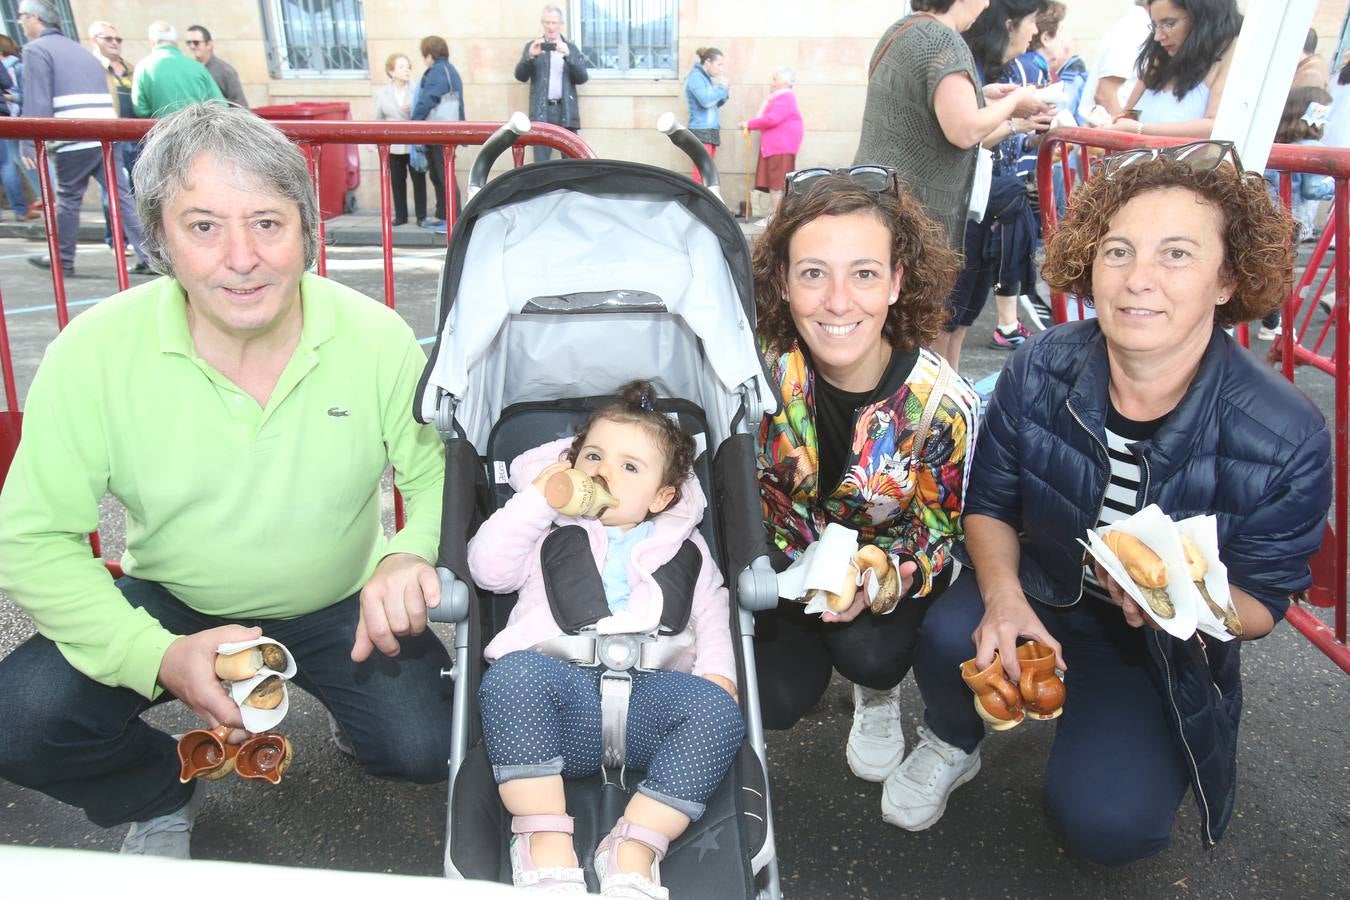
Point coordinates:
[(1141, 563), (842, 599), (267, 695), (1195, 560), (1145, 568), (240, 665), (1197, 567), (872, 557)]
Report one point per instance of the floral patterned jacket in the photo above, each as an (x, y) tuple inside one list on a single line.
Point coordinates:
[(912, 512)]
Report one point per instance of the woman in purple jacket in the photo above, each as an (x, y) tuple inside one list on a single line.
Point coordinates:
[(640, 568), (780, 125)]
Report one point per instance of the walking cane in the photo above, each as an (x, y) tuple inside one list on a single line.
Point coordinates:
[(750, 172)]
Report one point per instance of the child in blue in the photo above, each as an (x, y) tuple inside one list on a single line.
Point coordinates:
[(542, 714)]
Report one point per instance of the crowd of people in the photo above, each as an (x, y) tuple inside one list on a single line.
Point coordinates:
[(865, 279)]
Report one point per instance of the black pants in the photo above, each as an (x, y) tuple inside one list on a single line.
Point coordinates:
[(796, 653), (399, 173), (436, 172)]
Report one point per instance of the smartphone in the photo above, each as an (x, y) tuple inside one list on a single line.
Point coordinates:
[(549, 45)]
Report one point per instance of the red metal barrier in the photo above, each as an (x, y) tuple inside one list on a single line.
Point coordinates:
[(1300, 343), (313, 137)]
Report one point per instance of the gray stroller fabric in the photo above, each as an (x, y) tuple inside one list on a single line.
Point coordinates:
[(620, 252)]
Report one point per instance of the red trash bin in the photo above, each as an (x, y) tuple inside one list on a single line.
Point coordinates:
[(339, 164)]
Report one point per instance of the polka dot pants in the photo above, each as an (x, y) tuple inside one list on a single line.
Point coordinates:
[(541, 716)]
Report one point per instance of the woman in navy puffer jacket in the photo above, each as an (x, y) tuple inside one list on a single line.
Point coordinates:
[(1150, 403)]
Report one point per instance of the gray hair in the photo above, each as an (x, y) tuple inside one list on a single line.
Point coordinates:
[(787, 73), (256, 149), (553, 8), (43, 11), (96, 27), (162, 31)]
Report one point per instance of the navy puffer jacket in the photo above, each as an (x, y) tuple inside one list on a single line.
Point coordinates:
[(1244, 445)]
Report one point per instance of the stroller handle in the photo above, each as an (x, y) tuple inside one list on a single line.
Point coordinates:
[(693, 148), (502, 138)]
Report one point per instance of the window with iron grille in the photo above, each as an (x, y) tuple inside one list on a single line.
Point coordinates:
[(316, 38), (9, 15), (628, 37)]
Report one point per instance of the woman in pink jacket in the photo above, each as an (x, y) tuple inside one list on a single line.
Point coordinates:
[(648, 572), (780, 124)]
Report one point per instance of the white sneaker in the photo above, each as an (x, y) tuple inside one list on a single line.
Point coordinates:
[(915, 795), (168, 835), (876, 742), (1269, 334)]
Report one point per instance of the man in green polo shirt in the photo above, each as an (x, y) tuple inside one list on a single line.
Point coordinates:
[(243, 411), (166, 80)]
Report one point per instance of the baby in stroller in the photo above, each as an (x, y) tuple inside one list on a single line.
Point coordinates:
[(650, 573)]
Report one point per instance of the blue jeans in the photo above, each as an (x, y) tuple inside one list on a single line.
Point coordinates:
[(541, 716), (11, 178), (85, 744), (1115, 775)]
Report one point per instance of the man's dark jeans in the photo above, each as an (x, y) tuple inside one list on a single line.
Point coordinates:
[(85, 744)]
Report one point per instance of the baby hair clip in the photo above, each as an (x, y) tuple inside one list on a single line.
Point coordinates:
[(646, 402)]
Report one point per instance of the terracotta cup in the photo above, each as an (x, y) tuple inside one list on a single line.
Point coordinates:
[(1041, 689), (205, 754), (997, 700), (265, 756), (574, 493)]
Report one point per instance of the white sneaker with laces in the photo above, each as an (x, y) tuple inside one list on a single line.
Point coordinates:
[(876, 742), (168, 835), (915, 794)]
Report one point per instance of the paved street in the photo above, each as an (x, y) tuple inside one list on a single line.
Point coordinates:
[(1288, 839)]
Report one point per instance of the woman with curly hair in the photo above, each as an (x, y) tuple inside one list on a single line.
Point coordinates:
[(1149, 403), (1182, 68), (851, 279)]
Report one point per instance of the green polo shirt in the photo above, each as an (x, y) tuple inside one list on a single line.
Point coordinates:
[(166, 81), (241, 511)]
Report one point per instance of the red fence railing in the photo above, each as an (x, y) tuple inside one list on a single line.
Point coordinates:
[(1304, 340), (312, 137)]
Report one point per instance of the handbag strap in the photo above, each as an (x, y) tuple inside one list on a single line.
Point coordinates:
[(895, 34), (944, 375)]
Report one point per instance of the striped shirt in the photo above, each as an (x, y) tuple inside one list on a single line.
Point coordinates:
[(1122, 490)]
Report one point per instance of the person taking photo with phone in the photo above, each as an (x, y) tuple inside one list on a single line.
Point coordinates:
[(553, 66)]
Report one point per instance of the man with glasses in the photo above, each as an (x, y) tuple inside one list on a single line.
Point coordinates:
[(106, 42), (203, 49), (61, 80), (167, 80)]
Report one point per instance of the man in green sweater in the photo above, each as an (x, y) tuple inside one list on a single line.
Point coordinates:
[(243, 411), (166, 80)]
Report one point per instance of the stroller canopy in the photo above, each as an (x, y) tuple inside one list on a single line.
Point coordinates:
[(567, 279)]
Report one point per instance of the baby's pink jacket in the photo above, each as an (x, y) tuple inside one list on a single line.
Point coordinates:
[(504, 557)]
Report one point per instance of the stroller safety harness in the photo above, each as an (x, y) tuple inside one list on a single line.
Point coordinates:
[(576, 595)]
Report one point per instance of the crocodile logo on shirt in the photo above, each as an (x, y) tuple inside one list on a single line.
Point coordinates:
[(339, 412)]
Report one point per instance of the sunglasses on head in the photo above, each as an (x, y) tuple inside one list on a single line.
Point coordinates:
[(878, 179), (1198, 156)]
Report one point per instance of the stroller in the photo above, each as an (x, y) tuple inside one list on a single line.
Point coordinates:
[(565, 280)]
